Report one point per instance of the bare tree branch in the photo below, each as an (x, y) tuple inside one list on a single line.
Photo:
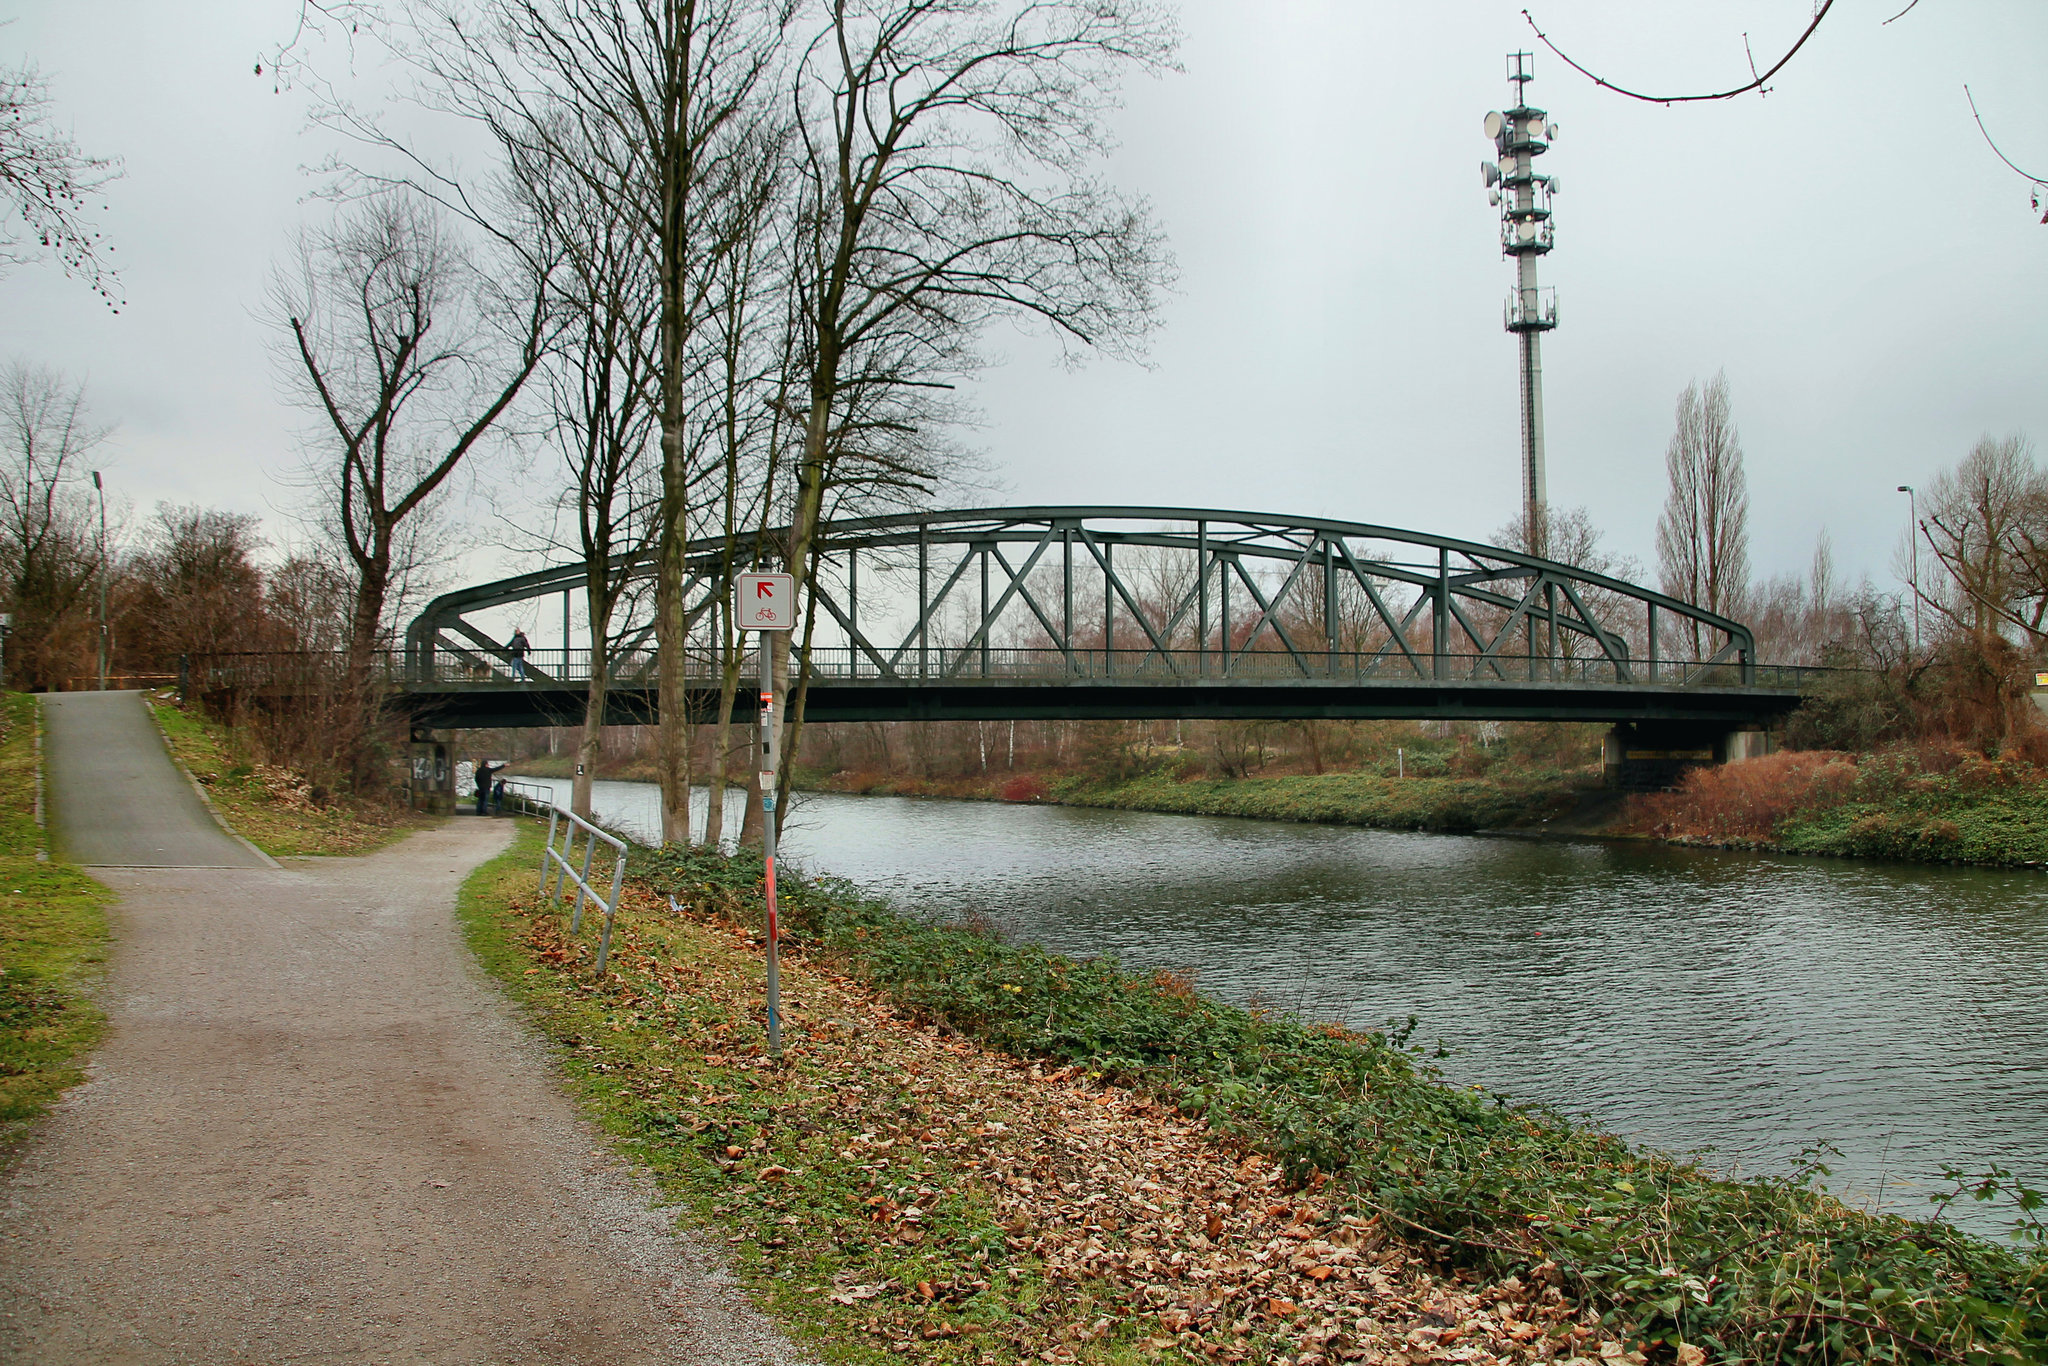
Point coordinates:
[(410, 355), (1756, 84), (45, 181)]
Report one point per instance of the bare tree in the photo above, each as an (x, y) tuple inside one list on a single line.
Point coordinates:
[(1801, 620), (410, 354), (310, 602), (49, 545), (1703, 534), (1986, 521), (651, 105), (192, 585), (602, 417), (946, 152), (1569, 536), (749, 338), (46, 181)]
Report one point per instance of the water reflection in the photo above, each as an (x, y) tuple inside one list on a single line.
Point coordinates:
[(1755, 1006)]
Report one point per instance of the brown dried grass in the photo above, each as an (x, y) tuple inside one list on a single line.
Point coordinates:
[(1745, 802)]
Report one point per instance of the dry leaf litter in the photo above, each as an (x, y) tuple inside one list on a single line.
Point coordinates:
[(1143, 1222)]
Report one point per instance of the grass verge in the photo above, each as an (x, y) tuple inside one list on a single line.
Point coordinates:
[(985, 1152), (53, 936), (1356, 798), (274, 808), (1342, 799)]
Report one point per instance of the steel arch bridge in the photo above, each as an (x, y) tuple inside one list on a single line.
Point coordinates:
[(1135, 612)]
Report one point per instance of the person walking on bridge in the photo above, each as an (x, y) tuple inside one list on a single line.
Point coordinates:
[(517, 648), (483, 784)]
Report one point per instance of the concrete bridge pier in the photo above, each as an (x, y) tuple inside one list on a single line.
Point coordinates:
[(430, 785), (1654, 756)]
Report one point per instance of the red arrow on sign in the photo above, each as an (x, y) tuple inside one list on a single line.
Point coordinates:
[(764, 589)]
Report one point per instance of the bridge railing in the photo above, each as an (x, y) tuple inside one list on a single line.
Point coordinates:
[(994, 664), (1004, 665)]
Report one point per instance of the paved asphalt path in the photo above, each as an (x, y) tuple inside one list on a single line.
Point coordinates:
[(116, 800), (316, 1134)]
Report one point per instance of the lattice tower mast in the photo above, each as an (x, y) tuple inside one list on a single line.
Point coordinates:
[(1521, 134)]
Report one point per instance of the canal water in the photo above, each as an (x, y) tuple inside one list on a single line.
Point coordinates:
[(1746, 1006)]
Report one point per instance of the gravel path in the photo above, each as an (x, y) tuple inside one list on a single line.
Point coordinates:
[(316, 1134)]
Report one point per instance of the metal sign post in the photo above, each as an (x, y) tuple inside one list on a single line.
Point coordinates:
[(765, 603)]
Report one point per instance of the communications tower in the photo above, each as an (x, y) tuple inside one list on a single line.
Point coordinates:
[(1521, 134)]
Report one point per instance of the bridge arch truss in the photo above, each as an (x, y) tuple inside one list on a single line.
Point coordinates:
[(1096, 599)]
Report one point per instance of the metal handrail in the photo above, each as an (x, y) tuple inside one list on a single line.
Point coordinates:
[(569, 823), (955, 663), (537, 797)]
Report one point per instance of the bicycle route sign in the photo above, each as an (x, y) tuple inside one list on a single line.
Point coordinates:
[(764, 602)]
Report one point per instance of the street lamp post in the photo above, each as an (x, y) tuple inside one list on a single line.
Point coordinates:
[(1913, 545), (105, 641)]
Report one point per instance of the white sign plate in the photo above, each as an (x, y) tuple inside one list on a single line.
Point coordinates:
[(765, 602)]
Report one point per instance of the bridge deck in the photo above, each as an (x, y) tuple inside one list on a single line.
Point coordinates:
[(836, 699), (549, 687)]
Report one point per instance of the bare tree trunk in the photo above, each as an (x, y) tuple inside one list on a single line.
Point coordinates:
[(372, 586), (590, 744), (672, 753), (721, 730)]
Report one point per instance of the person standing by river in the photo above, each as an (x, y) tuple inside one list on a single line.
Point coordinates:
[(483, 784)]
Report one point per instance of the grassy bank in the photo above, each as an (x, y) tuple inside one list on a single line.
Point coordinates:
[(900, 1189), (1370, 799), (53, 936), (1345, 799), (982, 1152), (1933, 805), (274, 808)]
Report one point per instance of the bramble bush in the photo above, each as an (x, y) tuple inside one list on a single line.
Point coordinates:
[(1026, 787)]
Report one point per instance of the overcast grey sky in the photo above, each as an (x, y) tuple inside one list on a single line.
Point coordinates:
[(1847, 249)]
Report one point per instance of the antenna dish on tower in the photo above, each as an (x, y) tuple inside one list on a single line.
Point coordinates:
[(1489, 174), (1536, 127), (1494, 123)]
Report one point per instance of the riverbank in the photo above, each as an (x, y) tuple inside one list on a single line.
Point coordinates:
[(1936, 806), (901, 1190), (53, 938), (1932, 805), (1360, 799), (564, 766), (1338, 1135)]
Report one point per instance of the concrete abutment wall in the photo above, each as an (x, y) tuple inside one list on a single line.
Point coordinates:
[(1653, 756)]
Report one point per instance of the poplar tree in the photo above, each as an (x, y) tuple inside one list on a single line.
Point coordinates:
[(1703, 534)]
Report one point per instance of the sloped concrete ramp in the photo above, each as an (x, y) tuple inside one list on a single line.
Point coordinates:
[(116, 799)]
